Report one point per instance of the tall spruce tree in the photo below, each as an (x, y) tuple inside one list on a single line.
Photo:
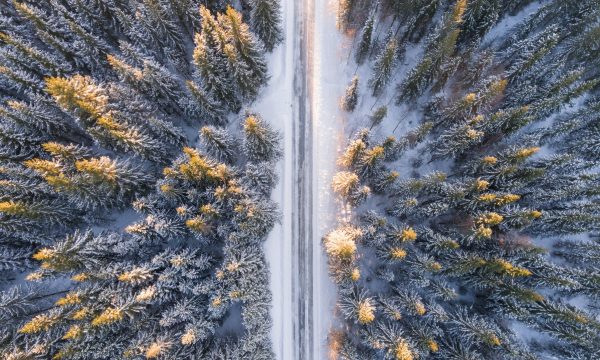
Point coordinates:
[(265, 18)]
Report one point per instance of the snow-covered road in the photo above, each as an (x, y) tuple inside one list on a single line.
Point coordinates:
[(308, 76)]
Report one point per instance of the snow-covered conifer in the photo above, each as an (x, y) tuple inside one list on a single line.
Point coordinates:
[(382, 70), (350, 99), (364, 46), (265, 18), (245, 54), (261, 142), (378, 115)]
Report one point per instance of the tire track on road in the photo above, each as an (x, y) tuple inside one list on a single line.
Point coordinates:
[(303, 227)]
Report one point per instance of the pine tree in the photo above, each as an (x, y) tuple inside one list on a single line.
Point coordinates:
[(20, 81), (245, 55), (344, 12), (457, 139), (80, 95), (479, 17), (201, 105), (261, 177), (48, 28), (531, 51), (41, 116), (153, 80), (43, 63), (218, 143), (378, 116), (261, 142), (418, 15), (474, 330), (89, 182), (382, 70), (265, 18), (351, 97), (90, 103), (358, 307), (157, 26), (211, 61), (364, 46), (439, 51), (50, 212), (345, 183)]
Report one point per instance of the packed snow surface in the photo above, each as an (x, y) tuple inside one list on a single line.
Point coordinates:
[(275, 106), (329, 77)]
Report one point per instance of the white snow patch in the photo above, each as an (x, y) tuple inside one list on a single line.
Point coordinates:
[(330, 76), (508, 23), (275, 106)]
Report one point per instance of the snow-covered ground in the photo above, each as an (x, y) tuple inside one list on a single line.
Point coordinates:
[(330, 75), (275, 106)]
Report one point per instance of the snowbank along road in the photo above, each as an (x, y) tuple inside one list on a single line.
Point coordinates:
[(328, 75), (277, 104)]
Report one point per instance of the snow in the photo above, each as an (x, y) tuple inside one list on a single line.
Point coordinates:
[(508, 23), (327, 79), (330, 76), (330, 71), (275, 106)]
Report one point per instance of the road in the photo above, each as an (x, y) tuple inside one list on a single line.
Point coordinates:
[(321, 77), (303, 201), (301, 101)]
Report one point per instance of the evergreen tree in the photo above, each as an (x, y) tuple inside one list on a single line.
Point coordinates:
[(90, 103), (261, 142), (479, 17), (344, 12), (364, 46), (153, 80), (382, 70), (43, 63), (418, 15), (265, 18), (245, 55), (201, 105), (89, 182), (439, 52), (351, 97), (218, 143), (378, 116), (211, 61), (358, 307)]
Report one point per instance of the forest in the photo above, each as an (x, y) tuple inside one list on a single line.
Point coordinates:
[(149, 158), (135, 179), (474, 234)]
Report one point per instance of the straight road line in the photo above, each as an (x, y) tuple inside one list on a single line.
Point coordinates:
[(303, 199)]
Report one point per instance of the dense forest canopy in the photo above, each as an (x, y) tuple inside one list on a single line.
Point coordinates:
[(134, 110), (474, 234), (136, 179)]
